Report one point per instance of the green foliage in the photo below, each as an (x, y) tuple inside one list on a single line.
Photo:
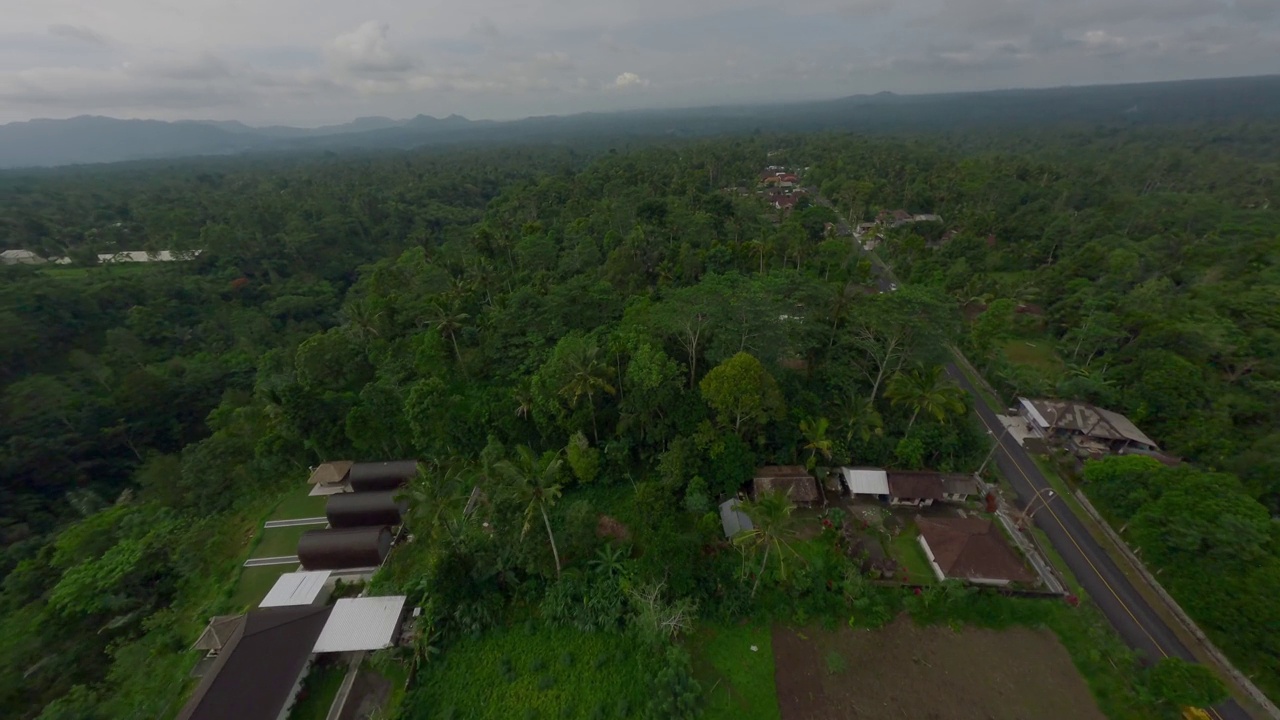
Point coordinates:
[(583, 459), (743, 394), (675, 693), (738, 681), (1174, 683), (471, 669), (835, 662)]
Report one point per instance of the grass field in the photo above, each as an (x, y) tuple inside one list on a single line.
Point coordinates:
[(255, 582), (535, 671), (279, 542), (737, 682), (907, 551), (1038, 353), (318, 691), (299, 505)]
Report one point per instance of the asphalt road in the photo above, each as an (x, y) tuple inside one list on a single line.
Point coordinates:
[(1109, 588)]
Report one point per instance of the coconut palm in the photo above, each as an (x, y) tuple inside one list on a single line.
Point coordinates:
[(926, 389), (816, 440), (857, 417), (774, 530), (449, 321), (437, 496), (589, 375), (534, 480)]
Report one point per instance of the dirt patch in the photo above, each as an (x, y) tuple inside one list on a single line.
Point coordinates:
[(927, 673), (368, 696)]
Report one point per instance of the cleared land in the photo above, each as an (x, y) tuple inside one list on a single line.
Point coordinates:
[(280, 542), (929, 673), (737, 682), (256, 582)]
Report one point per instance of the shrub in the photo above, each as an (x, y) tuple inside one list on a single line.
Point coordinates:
[(836, 663)]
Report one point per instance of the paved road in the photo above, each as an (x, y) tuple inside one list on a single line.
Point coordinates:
[(1109, 589)]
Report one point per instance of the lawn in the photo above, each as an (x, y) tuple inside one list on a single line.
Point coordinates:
[(906, 549), (1037, 353), (319, 690), (299, 505), (534, 671), (737, 682), (280, 542), (255, 582)]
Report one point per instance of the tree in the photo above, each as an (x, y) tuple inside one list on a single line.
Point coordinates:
[(857, 417), (449, 320), (584, 460), (816, 440), (588, 375), (773, 531), (742, 393), (437, 497), (534, 481), (926, 389)]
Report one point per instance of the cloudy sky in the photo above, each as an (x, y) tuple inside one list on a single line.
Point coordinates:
[(312, 62)]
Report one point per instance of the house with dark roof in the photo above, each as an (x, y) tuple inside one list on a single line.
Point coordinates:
[(923, 488), (260, 667), (970, 549), (792, 480), (1085, 429)]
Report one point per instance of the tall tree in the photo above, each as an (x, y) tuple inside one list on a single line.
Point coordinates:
[(534, 480), (926, 389), (742, 393), (772, 533)]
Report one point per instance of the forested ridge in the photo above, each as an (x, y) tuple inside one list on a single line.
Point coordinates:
[(577, 335)]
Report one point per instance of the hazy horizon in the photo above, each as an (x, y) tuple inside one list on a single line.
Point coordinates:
[(319, 62)]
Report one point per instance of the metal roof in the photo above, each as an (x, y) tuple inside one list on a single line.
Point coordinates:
[(296, 588), (865, 481), (367, 623), (732, 519)]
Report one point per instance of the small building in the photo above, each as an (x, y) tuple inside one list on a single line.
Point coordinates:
[(866, 482), (136, 256), (792, 480), (362, 624), (330, 478), (361, 509), (959, 487), (387, 475), (732, 519), (1085, 429), (922, 488), (20, 257), (345, 549), (305, 587), (970, 549), (218, 633), (260, 669)]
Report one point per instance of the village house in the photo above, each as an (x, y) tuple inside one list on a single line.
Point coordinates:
[(970, 549), (793, 480), (20, 257), (732, 519), (1085, 430), (914, 488)]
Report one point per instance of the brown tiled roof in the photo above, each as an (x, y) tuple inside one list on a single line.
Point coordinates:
[(793, 480), (915, 485), (331, 473), (971, 548), (255, 672)]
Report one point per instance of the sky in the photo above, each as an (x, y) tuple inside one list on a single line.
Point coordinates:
[(316, 62)]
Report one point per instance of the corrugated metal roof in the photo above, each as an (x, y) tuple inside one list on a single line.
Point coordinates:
[(865, 481), (367, 623), (732, 519), (296, 588)]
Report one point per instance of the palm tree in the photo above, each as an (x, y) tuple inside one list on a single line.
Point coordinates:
[(437, 497), (816, 440), (926, 389), (588, 375), (535, 481), (858, 417), (773, 531), (449, 322)]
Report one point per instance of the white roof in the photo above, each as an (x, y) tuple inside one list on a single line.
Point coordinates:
[(732, 519), (865, 481), (367, 623), (296, 588)]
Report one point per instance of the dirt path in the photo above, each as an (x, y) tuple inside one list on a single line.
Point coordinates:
[(927, 673)]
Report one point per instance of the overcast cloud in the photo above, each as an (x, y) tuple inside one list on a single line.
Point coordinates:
[(314, 62)]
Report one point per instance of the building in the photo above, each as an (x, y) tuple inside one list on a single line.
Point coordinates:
[(305, 587), (866, 482), (970, 549), (331, 477), (218, 633), (793, 480), (362, 624), (361, 509), (387, 475), (260, 668), (924, 488), (20, 257), (732, 519), (346, 549), (131, 256), (1085, 429)]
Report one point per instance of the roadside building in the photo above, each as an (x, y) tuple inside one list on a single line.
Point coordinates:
[(792, 480), (866, 482), (1085, 429), (970, 549)]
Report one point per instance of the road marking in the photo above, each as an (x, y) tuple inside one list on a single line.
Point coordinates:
[(1000, 441)]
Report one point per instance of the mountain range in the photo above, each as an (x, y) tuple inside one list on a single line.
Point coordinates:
[(94, 139)]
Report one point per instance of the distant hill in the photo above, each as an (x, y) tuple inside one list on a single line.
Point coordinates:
[(91, 139)]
